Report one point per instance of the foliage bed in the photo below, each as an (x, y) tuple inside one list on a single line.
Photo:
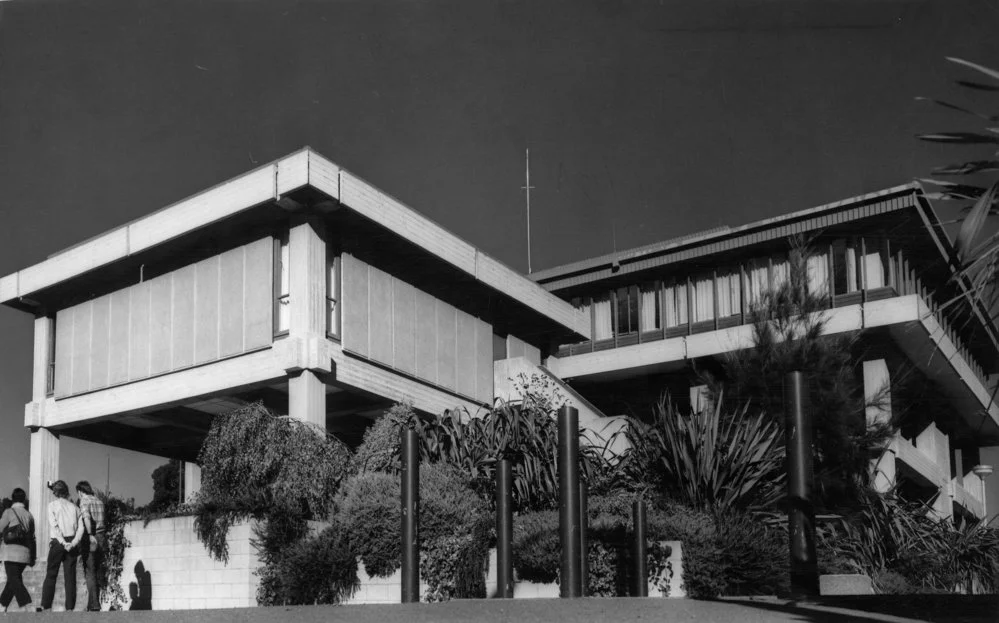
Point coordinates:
[(732, 554)]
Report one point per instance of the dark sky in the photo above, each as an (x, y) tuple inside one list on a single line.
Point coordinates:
[(645, 120)]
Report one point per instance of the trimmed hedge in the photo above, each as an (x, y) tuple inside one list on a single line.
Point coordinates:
[(728, 555)]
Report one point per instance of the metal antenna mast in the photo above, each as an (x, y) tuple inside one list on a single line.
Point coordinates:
[(527, 186)]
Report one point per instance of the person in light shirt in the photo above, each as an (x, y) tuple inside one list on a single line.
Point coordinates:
[(67, 530)]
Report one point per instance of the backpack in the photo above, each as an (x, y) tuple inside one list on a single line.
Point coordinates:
[(15, 534)]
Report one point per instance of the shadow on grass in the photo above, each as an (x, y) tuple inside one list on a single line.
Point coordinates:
[(933, 608)]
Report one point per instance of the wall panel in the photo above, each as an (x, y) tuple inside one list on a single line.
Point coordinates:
[(426, 336), (483, 361), (258, 294), (138, 332), (465, 355), (81, 347), (447, 326), (160, 324), (100, 326), (206, 321), (403, 326), (118, 350), (380, 316), (167, 323), (64, 352), (354, 306), (231, 302), (185, 310)]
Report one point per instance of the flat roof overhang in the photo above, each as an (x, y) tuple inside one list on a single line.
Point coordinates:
[(258, 203)]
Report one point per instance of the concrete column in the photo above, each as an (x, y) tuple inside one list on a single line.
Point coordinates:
[(43, 466), (307, 287), (307, 250), (877, 394), (192, 481), (307, 398)]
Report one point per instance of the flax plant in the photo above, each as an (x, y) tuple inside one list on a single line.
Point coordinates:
[(708, 460)]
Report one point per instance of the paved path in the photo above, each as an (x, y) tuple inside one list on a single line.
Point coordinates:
[(856, 610)]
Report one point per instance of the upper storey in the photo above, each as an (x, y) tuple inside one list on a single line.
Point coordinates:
[(876, 246), (360, 220)]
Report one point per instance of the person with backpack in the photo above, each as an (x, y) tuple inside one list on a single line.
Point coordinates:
[(66, 529), (17, 534)]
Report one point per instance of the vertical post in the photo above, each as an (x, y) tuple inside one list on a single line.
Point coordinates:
[(640, 574), (410, 516), (801, 513), (504, 528), (43, 466), (584, 541), (568, 503)]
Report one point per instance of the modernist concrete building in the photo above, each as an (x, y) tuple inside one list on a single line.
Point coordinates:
[(300, 285)]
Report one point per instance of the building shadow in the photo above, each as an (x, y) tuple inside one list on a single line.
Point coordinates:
[(140, 592), (869, 608)]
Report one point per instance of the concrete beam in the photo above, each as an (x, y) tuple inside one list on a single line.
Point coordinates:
[(229, 375)]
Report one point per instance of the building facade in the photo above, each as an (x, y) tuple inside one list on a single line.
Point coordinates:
[(302, 286)]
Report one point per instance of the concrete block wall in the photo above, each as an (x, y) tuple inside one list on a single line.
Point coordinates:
[(182, 575), (373, 590)]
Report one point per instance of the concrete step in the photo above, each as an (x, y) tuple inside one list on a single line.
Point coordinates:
[(33, 578)]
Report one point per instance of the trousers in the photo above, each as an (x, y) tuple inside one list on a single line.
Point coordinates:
[(58, 555)]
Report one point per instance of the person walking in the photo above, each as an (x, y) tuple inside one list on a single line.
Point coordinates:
[(66, 528), (95, 543), (17, 550)]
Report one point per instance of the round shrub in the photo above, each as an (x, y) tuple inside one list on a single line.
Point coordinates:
[(368, 509), (379, 451), (316, 570), (536, 546)]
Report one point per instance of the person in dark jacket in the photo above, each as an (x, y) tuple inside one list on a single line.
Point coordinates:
[(18, 554)]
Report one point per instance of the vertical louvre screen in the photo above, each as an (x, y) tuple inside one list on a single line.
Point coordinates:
[(651, 315), (729, 299), (704, 299), (675, 297), (215, 308), (875, 268), (818, 274), (602, 318)]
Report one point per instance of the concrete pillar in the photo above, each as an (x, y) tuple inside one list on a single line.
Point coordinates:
[(192, 481), (307, 398), (307, 250), (877, 394), (43, 466), (307, 287)]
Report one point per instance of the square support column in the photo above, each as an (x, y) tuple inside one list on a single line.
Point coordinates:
[(43, 467), (307, 252), (877, 395), (307, 284), (307, 398)]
